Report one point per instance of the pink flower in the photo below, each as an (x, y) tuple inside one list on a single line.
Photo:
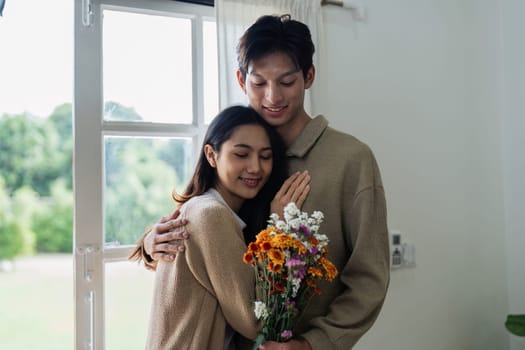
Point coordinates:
[(295, 262), (286, 334)]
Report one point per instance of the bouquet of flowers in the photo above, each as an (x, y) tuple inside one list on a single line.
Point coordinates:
[(289, 257)]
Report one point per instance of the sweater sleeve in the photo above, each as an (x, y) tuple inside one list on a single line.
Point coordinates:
[(214, 256), (365, 277)]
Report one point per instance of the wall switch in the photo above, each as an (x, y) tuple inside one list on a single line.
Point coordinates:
[(396, 249), (402, 254)]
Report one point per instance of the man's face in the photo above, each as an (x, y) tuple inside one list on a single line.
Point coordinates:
[(275, 88)]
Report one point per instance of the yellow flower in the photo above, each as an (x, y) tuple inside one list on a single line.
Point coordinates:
[(282, 240), (330, 270), (301, 249), (276, 256), (315, 272), (274, 267), (265, 246)]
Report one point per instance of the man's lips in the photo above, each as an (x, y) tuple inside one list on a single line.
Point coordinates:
[(274, 110)]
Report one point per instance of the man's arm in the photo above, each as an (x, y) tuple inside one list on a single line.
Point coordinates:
[(165, 239), (366, 277), (162, 241)]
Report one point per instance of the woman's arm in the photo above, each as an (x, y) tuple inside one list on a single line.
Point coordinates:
[(214, 255)]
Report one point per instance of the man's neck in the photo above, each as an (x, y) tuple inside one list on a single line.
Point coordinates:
[(291, 131)]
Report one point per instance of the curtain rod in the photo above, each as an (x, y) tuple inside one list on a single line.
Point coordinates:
[(332, 2), (354, 5)]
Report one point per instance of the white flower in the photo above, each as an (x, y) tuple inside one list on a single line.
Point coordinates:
[(273, 218), (296, 282), (261, 311), (294, 223), (319, 216), (291, 211), (281, 225)]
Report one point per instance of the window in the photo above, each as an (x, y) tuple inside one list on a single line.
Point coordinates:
[(145, 89)]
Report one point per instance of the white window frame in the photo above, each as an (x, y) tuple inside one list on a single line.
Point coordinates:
[(90, 252)]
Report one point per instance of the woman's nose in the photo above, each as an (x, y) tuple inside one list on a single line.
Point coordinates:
[(254, 165)]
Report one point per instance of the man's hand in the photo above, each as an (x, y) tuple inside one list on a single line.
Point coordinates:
[(294, 189), (294, 344), (166, 238)]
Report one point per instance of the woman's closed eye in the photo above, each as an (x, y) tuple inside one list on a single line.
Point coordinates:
[(266, 156)]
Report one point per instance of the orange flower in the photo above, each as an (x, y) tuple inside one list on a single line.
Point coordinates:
[(253, 248), (278, 287), (329, 269), (264, 235), (265, 246), (282, 240), (311, 283), (248, 258), (276, 256), (315, 272), (274, 267), (313, 241), (301, 249)]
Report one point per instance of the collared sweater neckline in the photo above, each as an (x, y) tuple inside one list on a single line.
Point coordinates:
[(306, 140), (214, 193)]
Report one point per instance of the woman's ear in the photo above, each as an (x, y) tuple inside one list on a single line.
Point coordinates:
[(209, 152)]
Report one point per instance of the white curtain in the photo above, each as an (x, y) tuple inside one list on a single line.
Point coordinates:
[(235, 16)]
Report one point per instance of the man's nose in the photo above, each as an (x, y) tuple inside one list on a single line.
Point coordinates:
[(274, 93)]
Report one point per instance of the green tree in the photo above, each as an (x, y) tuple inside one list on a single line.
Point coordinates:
[(138, 188), (11, 238), (28, 154), (62, 121), (16, 236), (116, 111), (53, 222)]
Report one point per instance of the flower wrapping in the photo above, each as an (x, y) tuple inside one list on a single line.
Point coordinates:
[(289, 258)]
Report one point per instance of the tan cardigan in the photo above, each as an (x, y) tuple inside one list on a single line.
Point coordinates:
[(207, 287)]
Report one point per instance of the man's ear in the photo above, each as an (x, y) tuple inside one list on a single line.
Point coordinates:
[(241, 80), (310, 76), (209, 152)]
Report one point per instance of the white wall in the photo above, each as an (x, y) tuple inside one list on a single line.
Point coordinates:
[(420, 82), (513, 97)]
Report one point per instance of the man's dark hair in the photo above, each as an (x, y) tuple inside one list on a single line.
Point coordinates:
[(271, 34)]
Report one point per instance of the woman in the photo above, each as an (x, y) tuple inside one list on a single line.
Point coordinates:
[(208, 293)]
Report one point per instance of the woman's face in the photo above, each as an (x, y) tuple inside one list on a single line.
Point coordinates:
[(243, 164)]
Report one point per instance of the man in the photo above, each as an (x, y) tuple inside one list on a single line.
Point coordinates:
[(275, 69)]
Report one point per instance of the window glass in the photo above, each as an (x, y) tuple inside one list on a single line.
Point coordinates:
[(211, 73), (140, 175), (36, 197), (129, 293), (147, 65)]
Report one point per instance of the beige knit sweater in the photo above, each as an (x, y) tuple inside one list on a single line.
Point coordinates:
[(208, 286)]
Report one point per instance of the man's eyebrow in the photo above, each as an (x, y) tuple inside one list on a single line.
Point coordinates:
[(290, 72)]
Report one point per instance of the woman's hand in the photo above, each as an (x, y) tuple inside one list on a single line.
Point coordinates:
[(294, 189)]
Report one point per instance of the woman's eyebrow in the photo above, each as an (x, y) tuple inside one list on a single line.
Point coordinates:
[(243, 145)]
